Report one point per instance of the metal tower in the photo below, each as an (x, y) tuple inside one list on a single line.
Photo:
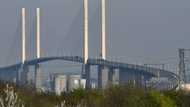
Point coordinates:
[(182, 73)]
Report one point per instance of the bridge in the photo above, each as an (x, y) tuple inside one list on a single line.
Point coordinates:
[(132, 70), (108, 71)]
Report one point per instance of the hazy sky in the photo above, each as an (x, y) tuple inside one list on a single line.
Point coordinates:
[(139, 31)]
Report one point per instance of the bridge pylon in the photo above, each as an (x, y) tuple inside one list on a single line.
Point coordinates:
[(103, 29), (86, 68), (85, 32), (103, 76), (23, 53), (38, 74), (103, 71)]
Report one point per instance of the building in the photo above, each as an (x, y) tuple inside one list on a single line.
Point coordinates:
[(65, 83), (60, 84), (75, 81)]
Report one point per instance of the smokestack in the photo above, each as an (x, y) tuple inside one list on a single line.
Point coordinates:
[(103, 35), (38, 32), (85, 47), (23, 35)]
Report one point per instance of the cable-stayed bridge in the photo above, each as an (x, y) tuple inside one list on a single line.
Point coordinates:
[(108, 71), (133, 71)]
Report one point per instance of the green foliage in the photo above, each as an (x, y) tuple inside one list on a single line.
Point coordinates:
[(160, 100), (115, 96), (133, 97), (181, 98)]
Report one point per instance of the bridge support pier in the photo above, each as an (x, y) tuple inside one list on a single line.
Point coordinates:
[(115, 76), (25, 75), (18, 78), (87, 76), (22, 75), (103, 77), (108, 76), (37, 77)]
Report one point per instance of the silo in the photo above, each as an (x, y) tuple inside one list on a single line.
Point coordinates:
[(60, 84), (75, 81)]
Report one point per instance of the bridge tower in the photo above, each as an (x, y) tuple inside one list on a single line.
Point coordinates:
[(85, 32), (106, 75), (20, 73), (86, 66), (103, 29), (38, 53), (23, 35), (23, 54), (103, 71)]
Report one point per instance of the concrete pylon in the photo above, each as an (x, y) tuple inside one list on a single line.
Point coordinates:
[(115, 76), (86, 67), (88, 77), (103, 76), (23, 35), (24, 75), (85, 45), (38, 73), (103, 29), (23, 53), (38, 32), (103, 72)]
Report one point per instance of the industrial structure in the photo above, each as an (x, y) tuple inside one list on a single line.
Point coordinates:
[(109, 72), (65, 83), (60, 84), (184, 73)]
